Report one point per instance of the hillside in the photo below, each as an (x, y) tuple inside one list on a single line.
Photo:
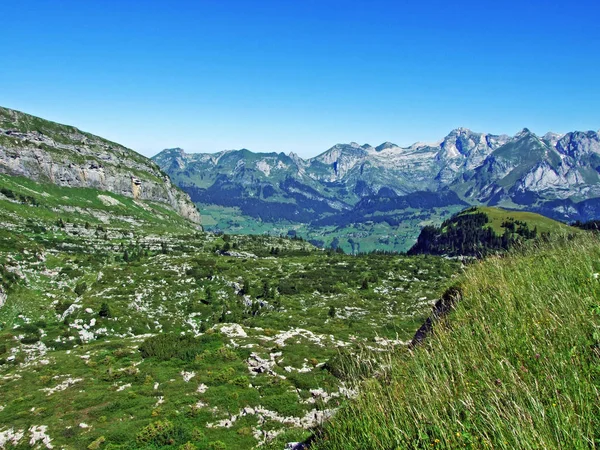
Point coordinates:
[(478, 231), (123, 326), (514, 365), (322, 198), (50, 152)]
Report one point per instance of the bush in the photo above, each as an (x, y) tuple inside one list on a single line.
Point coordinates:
[(105, 310), (81, 288), (171, 345), (158, 433), (61, 307), (187, 446), (97, 443), (30, 339), (29, 328)]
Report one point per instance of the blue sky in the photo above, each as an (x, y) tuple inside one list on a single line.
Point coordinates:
[(301, 75)]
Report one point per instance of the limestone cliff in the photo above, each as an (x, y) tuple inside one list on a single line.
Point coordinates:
[(46, 151)]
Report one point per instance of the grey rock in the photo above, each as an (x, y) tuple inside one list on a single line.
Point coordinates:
[(46, 151)]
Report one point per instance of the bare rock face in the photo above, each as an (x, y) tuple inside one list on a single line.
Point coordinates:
[(47, 151)]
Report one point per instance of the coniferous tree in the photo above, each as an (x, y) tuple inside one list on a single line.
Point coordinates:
[(105, 310)]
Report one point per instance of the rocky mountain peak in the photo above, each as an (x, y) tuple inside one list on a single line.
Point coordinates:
[(386, 145), (579, 143), (460, 131), (176, 150), (551, 138), (525, 133)]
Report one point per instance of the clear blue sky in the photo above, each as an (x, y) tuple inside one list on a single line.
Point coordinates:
[(301, 75)]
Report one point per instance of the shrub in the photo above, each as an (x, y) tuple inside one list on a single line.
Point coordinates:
[(81, 288), (331, 312), (97, 443), (29, 328), (187, 446), (170, 345), (157, 433), (29, 339), (105, 310)]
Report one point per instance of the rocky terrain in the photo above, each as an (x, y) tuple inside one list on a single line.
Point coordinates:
[(556, 175), (123, 326), (46, 151)]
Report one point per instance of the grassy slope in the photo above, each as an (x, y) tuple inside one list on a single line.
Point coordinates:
[(81, 205), (166, 290), (517, 364), (498, 215)]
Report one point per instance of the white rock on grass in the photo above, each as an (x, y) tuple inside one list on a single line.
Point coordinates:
[(109, 201), (233, 330), (38, 434), (311, 418), (11, 436), (62, 386), (187, 376)]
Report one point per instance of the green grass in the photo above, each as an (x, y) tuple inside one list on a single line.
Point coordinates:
[(138, 270), (515, 365), (544, 225), (369, 236)]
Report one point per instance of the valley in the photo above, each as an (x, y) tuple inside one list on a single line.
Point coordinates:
[(127, 324), (363, 197)]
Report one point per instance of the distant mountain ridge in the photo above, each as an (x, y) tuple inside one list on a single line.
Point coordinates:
[(551, 174)]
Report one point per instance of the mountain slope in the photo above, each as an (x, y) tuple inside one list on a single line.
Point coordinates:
[(123, 326), (478, 231), (46, 151), (513, 365), (553, 174)]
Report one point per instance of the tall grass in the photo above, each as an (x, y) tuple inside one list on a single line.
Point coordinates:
[(515, 365)]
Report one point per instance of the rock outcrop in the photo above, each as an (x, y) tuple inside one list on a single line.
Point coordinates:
[(46, 151)]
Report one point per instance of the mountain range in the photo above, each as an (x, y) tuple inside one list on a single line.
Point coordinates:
[(358, 197), (557, 175)]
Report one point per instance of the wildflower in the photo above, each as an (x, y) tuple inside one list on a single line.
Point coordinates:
[(457, 434)]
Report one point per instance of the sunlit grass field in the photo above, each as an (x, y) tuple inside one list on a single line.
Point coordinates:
[(515, 365)]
